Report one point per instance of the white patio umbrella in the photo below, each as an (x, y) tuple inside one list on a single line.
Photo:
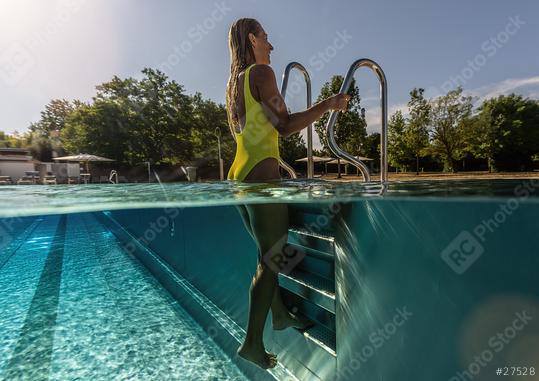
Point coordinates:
[(83, 157), (344, 161), (316, 159)]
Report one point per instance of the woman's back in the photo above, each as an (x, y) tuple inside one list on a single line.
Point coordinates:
[(256, 137)]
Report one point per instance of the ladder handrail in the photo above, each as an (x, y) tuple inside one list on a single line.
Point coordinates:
[(114, 174), (288, 168), (338, 151), (284, 85)]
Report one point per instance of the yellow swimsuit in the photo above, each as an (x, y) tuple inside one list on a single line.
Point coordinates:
[(257, 141)]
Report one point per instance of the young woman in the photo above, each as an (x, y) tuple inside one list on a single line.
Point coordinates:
[(257, 115)]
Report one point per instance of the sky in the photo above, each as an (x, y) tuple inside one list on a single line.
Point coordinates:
[(63, 48)]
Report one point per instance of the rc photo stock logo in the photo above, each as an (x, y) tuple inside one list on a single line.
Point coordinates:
[(283, 257), (466, 248), (15, 62), (462, 252), (488, 49), (18, 59)]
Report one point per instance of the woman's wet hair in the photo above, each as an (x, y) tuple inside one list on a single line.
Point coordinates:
[(241, 56)]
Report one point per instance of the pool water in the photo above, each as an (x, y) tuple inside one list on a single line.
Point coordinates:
[(151, 281), (22, 200), (75, 306)]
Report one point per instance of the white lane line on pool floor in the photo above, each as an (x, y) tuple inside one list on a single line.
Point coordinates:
[(16, 244), (31, 356), (117, 322), (18, 280)]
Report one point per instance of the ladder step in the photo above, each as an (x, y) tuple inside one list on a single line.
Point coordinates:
[(317, 314), (315, 221), (317, 266), (315, 348), (313, 253), (318, 290), (319, 243), (323, 337)]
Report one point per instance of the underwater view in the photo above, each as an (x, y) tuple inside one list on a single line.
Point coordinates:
[(240, 190), (152, 281)]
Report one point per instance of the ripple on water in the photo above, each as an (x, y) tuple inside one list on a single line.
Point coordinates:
[(49, 199)]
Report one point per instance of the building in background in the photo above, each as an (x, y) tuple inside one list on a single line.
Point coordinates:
[(18, 167), (15, 162)]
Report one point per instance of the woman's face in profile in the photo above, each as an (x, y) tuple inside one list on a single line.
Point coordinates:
[(262, 47)]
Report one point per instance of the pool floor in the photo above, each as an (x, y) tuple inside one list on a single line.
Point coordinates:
[(75, 306)]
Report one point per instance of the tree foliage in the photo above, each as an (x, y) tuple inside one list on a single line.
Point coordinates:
[(153, 119), (148, 119), (14, 140), (207, 118), (350, 127), (371, 148), (292, 148), (505, 132), (450, 115), (416, 132), (398, 153)]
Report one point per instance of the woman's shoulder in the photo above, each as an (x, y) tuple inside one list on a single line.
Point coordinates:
[(261, 69), (262, 73)]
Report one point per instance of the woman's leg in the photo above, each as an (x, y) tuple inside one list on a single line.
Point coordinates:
[(281, 317), (269, 224)]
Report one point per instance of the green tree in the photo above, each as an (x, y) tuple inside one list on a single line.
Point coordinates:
[(134, 120), (42, 146), (14, 140), (292, 148), (100, 128), (449, 116), (480, 138), (207, 117), (371, 148), (398, 153), (43, 136), (505, 132), (416, 131), (53, 117), (159, 115), (350, 127)]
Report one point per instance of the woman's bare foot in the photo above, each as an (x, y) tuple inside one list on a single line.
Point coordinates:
[(258, 356), (290, 320)]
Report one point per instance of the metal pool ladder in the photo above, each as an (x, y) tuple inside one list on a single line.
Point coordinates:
[(113, 177), (284, 86), (338, 151)]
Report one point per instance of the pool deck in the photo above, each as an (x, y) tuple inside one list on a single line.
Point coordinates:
[(411, 176)]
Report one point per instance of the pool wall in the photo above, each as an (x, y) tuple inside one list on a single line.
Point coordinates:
[(13, 233), (405, 313), (210, 248), (422, 285)]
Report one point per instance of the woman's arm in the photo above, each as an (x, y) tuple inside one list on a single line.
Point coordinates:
[(276, 110)]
